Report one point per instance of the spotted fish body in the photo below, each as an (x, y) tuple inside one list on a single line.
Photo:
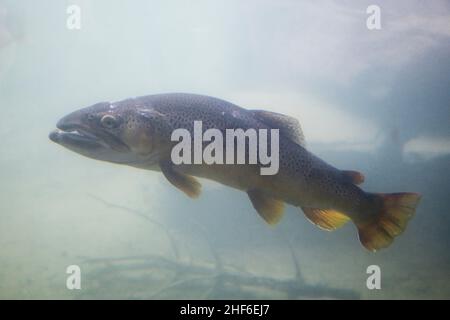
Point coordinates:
[(137, 132)]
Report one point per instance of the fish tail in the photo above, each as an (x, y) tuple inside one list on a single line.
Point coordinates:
[(391, 213)]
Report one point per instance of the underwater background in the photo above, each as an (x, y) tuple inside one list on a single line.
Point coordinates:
[(376, 101)]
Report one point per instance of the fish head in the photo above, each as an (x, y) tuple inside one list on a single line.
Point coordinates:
[(121, 133)]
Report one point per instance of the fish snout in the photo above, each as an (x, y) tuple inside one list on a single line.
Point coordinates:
[(54, 136), (69, 122)]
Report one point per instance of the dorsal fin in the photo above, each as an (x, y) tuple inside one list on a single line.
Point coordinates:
[(354, 177), (288, 126)]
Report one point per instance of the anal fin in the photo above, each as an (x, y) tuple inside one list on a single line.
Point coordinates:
[(188, 184), (326, 219), (270, 209)]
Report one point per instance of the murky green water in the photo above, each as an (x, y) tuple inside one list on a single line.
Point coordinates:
[(374, 101)]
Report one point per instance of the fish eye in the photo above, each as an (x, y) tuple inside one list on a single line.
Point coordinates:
[(108, 121)]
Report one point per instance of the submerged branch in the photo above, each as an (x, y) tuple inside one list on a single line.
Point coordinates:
[(154, 276)]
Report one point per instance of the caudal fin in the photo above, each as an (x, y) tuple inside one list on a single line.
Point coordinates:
[(394, 210)]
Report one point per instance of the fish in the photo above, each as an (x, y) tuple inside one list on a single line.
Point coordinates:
[(138, 132)]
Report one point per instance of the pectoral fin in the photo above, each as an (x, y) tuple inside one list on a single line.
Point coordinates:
[(270, 209), (326, 219), (188, 184)]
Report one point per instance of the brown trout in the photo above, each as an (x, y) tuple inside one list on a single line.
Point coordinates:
[(137, 132)]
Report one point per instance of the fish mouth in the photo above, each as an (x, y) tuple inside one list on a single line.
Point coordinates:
[(81, 137), (76, 137)]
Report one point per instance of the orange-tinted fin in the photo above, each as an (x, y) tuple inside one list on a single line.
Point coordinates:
[(189, 185), (270, 209), (354, 177), (326, 219), (395, 210)]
